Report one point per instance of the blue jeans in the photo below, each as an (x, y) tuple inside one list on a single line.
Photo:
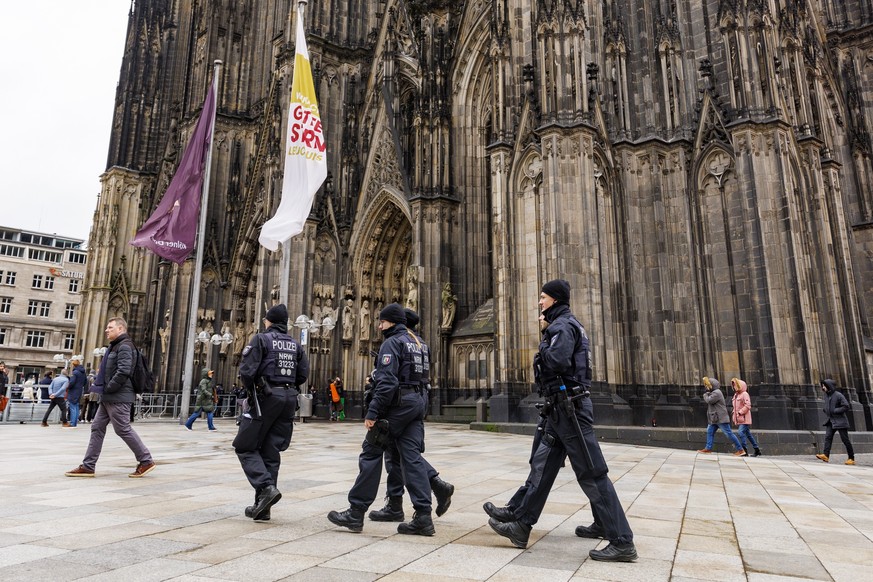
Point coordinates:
[(74, 413), (726, 429), (194, 416), (746, 433)]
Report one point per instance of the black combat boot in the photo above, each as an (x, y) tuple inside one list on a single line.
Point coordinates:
[(593, 531), (393, 510), (758, 452), (350, 518), (250, 511), (502, 514), (515, 531), (421, 525), (443, 492), (267, 498), (615, 552)]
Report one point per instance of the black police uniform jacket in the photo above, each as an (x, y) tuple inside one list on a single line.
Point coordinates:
[(275, 357), (564, 355), (400, 364)]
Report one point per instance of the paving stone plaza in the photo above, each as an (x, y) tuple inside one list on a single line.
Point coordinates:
[(695, 517)]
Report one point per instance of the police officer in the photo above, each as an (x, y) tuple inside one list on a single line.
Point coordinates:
[(393, 510), (397, 398), (273, 365), (563, 371)]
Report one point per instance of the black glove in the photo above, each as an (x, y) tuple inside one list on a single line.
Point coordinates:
[(378, 435)]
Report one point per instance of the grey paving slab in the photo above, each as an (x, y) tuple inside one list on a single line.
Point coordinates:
[(695, 517)]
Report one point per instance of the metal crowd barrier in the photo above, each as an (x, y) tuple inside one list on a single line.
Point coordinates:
[(155, 405)]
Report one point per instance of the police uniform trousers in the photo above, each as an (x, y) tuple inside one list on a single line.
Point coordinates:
[(277, 411), (406, 427), (559, 441), (394, 480), (518, 496)]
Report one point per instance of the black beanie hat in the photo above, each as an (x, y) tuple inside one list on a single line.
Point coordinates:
[(277, 314), (558, 289), (394, 313), (412, 318)]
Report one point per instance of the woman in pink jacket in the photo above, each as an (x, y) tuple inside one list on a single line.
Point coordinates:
[(742, 414)]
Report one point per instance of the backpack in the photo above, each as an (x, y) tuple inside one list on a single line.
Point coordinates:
[(142, 378)]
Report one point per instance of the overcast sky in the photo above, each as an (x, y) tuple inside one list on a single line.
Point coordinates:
[(59, 65)]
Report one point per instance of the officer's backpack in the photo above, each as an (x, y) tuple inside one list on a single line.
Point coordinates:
[(142, 378)]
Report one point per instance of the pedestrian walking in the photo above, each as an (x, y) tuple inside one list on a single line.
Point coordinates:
[(205, 401), (442, 490), (57, 398), (117, 400), (741, 415), (399, 402), (75, 389), (562, 368), (835, 408), (272, 366), (717, 414)]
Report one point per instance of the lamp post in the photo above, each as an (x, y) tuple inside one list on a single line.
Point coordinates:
[(99, 353), (309, 327)]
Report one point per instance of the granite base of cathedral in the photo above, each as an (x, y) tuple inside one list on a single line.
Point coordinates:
[(772, 442)]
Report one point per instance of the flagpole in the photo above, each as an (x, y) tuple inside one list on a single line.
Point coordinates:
[(284, 284), (190, 339)]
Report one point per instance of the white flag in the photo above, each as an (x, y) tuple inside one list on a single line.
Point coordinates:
[(305, 157)]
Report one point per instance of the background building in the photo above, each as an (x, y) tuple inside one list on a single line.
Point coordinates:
[(41, 282), (699, 171)]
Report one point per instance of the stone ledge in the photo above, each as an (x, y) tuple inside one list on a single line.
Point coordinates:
[(773, 442)]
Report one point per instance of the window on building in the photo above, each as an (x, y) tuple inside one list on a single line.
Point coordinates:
[(44, 256), (37, 282), (38, 308), (11, 251), (74, 285), (69, 341), (2, 336), (49, 282), (70, 312), (9, 278), (35, 339), (5, 304), (78, 258)]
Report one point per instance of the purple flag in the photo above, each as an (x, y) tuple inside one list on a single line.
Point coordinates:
[(171, 230)]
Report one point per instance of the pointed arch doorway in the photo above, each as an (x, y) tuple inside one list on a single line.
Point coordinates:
[(382, 253)]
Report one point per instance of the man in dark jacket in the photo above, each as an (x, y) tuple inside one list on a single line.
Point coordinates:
[(78, 380), (118, 398), (563, 370), (835, 408)]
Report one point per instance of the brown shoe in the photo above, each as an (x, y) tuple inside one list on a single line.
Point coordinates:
[(66, 425), (850, 462), (823, 458), (44, 423), (741, 453), (705, 451), (80, 471), (142, 469)]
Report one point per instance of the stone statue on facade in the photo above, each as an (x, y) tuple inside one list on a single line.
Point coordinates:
[(225, 329), (450, 305), (365, 320), (348, 320), (164, 333), (412, 293), (275, 295), (327, 311)]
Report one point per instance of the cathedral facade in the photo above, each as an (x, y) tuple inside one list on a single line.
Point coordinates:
[(700, 172)]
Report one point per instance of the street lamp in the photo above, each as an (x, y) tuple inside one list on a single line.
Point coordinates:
[(307, 326)]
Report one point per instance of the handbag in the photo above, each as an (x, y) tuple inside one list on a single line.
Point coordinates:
[(248, 436), (4, 400)]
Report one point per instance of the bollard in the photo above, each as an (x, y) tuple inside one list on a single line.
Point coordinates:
[(481, 410)]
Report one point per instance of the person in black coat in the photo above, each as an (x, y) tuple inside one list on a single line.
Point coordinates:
[(835, 408), (116, 404)]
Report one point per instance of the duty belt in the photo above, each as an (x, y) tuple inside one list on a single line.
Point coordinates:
[(285, 386), (571, 392), (404, 390)]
